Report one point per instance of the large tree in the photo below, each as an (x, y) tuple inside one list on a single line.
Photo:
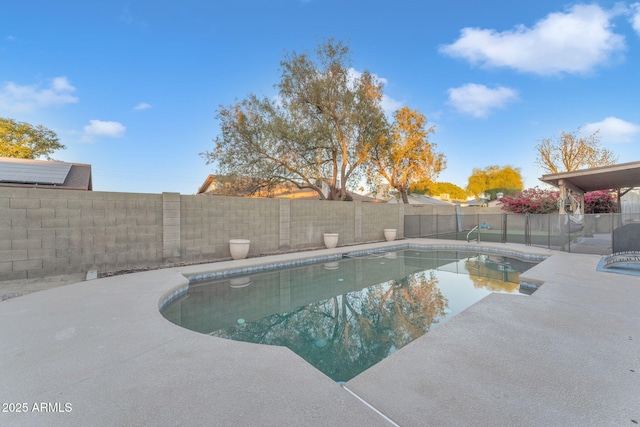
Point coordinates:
[(407, 157), (439, 188), (494, 178), (571, 152), (24, 141), (315, 134)]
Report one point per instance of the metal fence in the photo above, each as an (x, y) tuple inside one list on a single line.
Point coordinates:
[(589, 234)]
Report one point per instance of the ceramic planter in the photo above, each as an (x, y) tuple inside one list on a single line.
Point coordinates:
[(330, 240), (331, 265), (240, 282), (390, 234), (239, 248)]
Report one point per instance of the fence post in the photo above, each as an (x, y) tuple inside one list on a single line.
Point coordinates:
[(613, 239), (568, 234), (548, 231), (284, 220), (171, 244), (504, 228)]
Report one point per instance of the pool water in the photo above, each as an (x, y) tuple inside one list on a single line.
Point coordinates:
[(345, 316)]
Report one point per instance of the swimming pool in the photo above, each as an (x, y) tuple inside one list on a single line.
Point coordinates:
[(345, 315)]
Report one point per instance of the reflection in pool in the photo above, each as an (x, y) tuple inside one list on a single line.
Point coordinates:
[(345, 316)]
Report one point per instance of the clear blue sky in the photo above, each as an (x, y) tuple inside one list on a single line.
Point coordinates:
[(132, 87)]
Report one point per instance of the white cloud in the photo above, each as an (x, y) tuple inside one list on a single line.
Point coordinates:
[(390, 105), (61, 85), (478, 100), (26, 99), (612, 129), (635, 18), (142, 106), (572, 42), (99, 128)]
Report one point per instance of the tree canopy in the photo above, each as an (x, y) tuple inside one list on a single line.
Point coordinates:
[(24, 141), (319, 130), (437, 188), (569, 152), (406, 156), (493, 178)]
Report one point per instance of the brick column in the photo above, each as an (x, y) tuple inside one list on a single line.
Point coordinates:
[(357, 222), (285, 225), (171, 227)]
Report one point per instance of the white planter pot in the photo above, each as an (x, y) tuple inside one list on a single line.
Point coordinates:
[(390, 234), (239, 248), (331, 265), (330, 240), (240, 282)]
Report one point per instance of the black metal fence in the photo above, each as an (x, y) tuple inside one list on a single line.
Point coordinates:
[(589, 234)]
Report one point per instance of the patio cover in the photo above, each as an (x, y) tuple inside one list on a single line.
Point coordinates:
[(615, 177)]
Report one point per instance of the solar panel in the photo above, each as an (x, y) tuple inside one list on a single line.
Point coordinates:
[(33, 171)]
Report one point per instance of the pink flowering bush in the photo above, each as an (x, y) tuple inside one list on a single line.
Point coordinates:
[(600, 202), (532, 200), (537, 201)]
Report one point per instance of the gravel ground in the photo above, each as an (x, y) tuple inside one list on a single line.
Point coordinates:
[(16, 288)]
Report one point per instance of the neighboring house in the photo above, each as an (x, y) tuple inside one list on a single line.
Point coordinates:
[(387, 194), (474, 202), (631, 201), (44, 174), (221, 186), (420, 199)]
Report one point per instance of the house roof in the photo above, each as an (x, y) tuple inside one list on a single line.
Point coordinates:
[(282, 191), (420, 199), (622, 175), (474, 202), (44, 174)]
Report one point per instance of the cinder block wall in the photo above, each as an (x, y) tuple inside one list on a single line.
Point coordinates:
[(209, 222), (54, 232), (47, 232), (310, 219), (376, 217)]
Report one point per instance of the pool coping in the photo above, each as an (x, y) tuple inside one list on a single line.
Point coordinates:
[(104, 347)]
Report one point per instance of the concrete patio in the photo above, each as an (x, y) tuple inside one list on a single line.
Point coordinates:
[(100, 353)]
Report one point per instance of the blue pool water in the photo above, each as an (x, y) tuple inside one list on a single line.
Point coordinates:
[(345, 316)]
